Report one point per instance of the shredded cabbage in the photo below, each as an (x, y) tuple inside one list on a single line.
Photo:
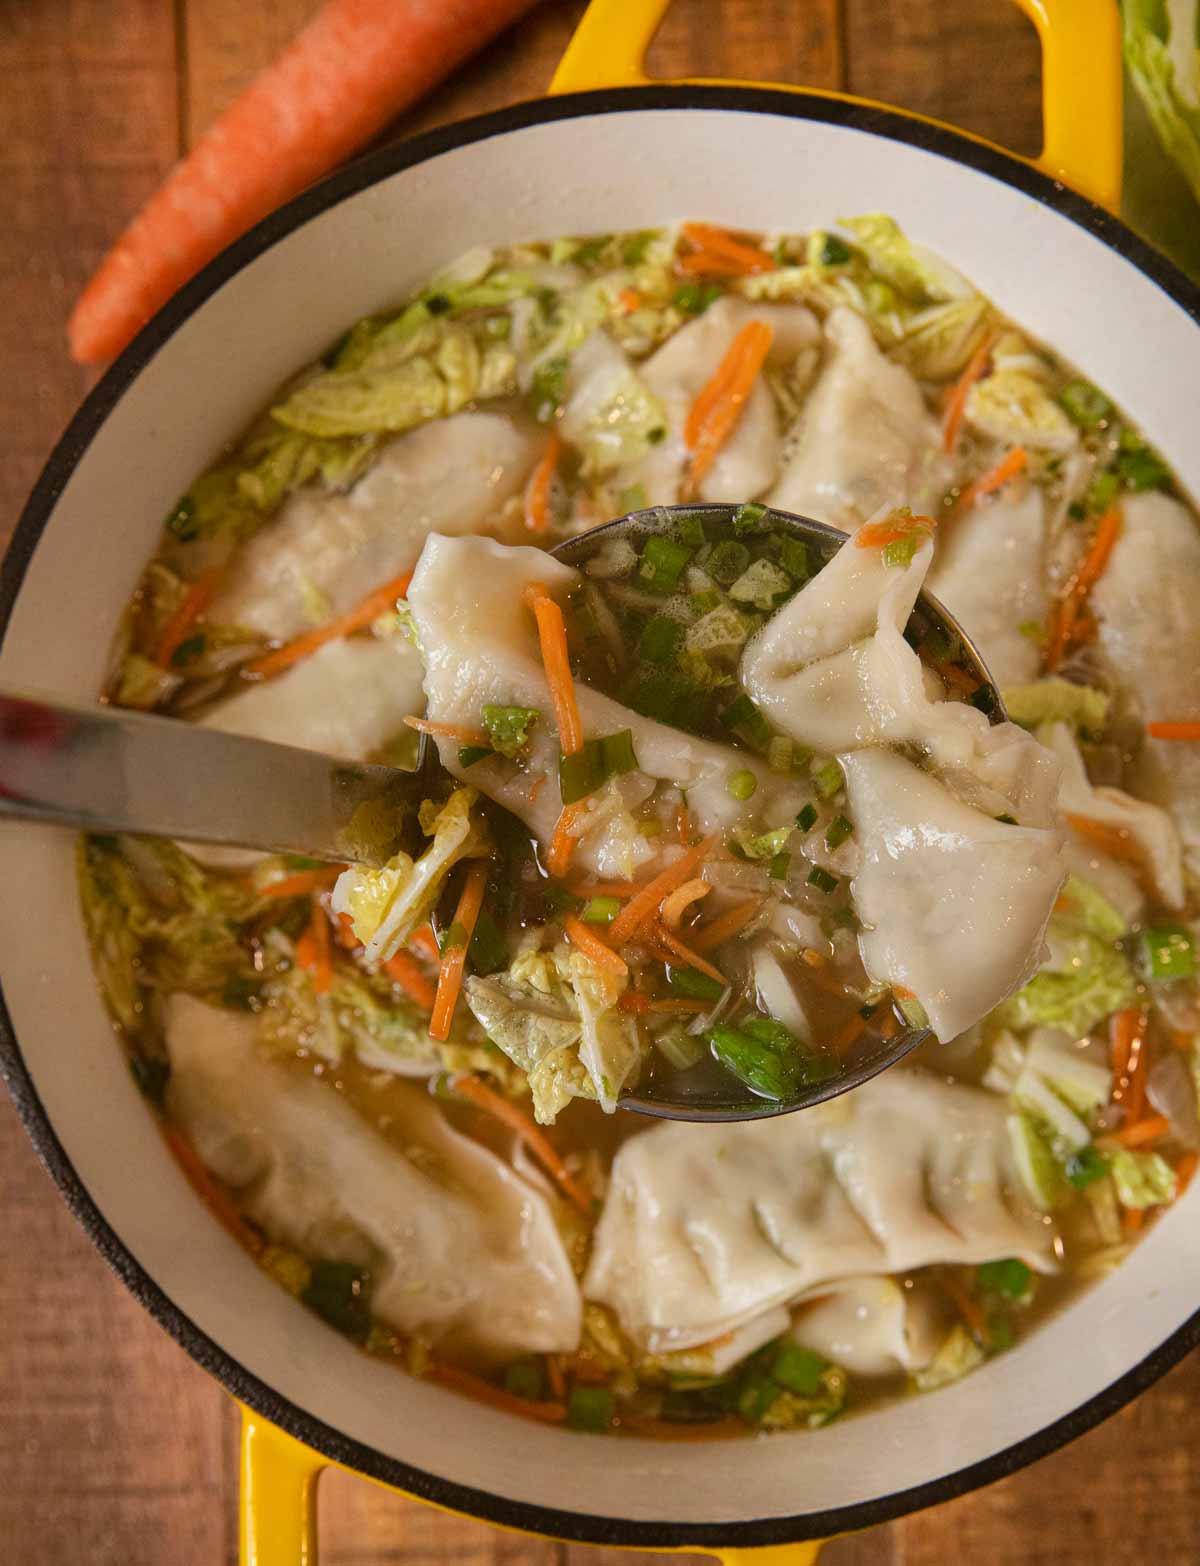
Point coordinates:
[(1055, 700), (1142, 1179), (1084, 980), (958, 1354), (1162, 52), (909, 268), (1081, 904), (1012, 406)]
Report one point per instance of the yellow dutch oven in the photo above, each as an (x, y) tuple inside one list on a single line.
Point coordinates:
[(606, 151)]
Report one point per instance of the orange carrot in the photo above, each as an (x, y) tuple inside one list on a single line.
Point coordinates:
[(1184, 1170), (716, 411), (223, 1206), (1063, 630), (554, 1375), (890, 1026), (877, 535), (1113, 841), (483, 1097), (199, 595), (995, 478), (343, 933), (725, 926), (537, 491), (454, 958), (303, 882), (424, 940), (950, 672), (1173, 731), (355, 66), (969, 1309), (375, 604), (629, 299), (846, 1036), (552, 636), (639, 908), (1127, 1034), (1132, 1219), (681, 899), (496, 1397), (632, 1002), (322, 957), (721, 247), (1143, 1131), (406, 972), (536, 787), (813, 957), (956, 404), (590, 944), (562, 843), (686, 954), (683, 825), (462, 732), (704, 263)]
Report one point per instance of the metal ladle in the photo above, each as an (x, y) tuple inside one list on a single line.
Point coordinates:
[(100, 768)]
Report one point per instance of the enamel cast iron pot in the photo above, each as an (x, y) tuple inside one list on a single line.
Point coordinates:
[(608, 151)]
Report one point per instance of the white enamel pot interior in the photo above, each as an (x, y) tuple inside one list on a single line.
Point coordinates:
[(591, 163)]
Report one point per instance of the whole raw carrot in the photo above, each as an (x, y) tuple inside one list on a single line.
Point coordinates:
[(355, 66)]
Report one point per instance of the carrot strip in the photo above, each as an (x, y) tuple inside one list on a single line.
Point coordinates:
[(424, 940), (639, 908), (632, 1002), (683, 826), (562, 843), (351, 70), (681, 899), (1143, 1131), (1113, 841), (454, 958), (1173, 731), (725, 926), (343, 933), (322, 956), (303, 882), (495, 1397), (293, 652), (705, 263), (492, 1103), (1184, 1170), (1127, 1035), (950, 672), (685, 954), (537, 491), (406, 972), (1074, 596), (890, 1026), (722, 245), (847, 1035), (590, 944), (552, 637), (206, 1186), (715, 413), (813, 957), (876, 535), (995, 478), (970, 1310), (554, 1375), (956, 404), (201, 593), (629, 299), (536, 787), (1132, 1219), (462, 732)]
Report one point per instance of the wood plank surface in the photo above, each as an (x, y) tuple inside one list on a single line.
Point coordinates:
[(115, 1450)]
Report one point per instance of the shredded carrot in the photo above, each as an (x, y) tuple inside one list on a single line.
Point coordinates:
[(322, 957), (876, 535), (902, 992), (683, 825), (813, 957), (554, 1375), (630, 300), (681, 899), (1143, 1131), (407, 973), (1016, 462), (632, 1002), (716, 411), (552, 635), (890, 1026), (969, 1309), (462, 732), (1184, 1170), (847, 1035), (536, 787), (1113, 841), (706, 263), (686, 954), (725, 926), (950, 672), (721, 245), (1127, 1035), (639, 908), (454, 958), (496, 1397), (1173, 731), (537, 491), (1074, 596), (680, 1003), (199, 595), (343, 933), (956, 403), (303, 882), (562, 843), (222, 1204), (592, 947), (1132, 1219), (586, 889), (483, 1097), (424, 940), (375, 604)]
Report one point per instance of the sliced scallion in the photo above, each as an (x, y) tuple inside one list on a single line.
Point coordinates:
[(742, 784), (663, 559), (807, 818), (601, 910), (838, 830), (822, 880), (827, 780)]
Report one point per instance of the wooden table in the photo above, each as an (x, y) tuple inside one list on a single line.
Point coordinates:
[(114, 1448)]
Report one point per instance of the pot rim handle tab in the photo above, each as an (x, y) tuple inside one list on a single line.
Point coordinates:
[(1081, 82)]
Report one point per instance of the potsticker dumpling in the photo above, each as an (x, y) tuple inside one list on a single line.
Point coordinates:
[(325, 552), (458, 1246), (870, 1326), (1147, 605), (705, 1227), (864, 438)]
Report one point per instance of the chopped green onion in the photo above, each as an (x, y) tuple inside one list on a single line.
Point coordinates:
[(456, 935), (590, 1408), (1077, 512), (798, 1369), (900, 551), (756, 1064), (747, 517), (662, 562), (337, 1291), (549, 389), (588, 769), (742, 784), (1010, 1277), (468, 755), (913, 1012), (1102, 491), (743, 717), (1085, 404), (1007, 820), (832, 251), (777, 870), (727, 561), (701, 603), (793, 557), (694, 984), (779, 754), (590, 251), (488, 951), (181, 523), (660, 640), (695, 298), (633, 498), (681, 1048), (558, 900), (508, 727), (601, 910), (807, 819), (525, 1378), (1168, 953), (838, 830), (755, 1397), (191, 648), (690, 530), (633, 250), (1140, 468), (1085, 1167), (827, 780), (822, 880)]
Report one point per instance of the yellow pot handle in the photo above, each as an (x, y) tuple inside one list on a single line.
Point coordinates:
[(1081, 80), (278, 1524)]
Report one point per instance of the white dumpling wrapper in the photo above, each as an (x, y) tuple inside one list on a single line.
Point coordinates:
[(460, 1246), (871, 1326), (707, 1227), (330, 551)]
